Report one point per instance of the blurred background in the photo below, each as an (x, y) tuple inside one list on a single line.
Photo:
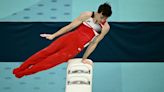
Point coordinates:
[(136, 34)]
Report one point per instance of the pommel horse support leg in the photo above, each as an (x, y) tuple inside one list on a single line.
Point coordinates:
[(79, 76)]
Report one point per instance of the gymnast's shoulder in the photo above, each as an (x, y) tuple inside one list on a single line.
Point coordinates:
[(86, 14)]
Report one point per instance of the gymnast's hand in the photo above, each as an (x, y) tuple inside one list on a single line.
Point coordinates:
[(47, 36), (85, 61)]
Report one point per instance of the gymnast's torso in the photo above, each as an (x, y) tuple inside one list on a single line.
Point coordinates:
[(95, 26), (88, 30), (84, 33)]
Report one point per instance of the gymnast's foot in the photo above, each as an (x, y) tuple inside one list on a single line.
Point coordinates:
[(19, 75), (16, 70)]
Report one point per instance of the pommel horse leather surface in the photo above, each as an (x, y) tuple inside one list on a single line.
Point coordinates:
[(79, 76)]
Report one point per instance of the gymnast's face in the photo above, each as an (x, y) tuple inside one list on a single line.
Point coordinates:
[(100, 18)]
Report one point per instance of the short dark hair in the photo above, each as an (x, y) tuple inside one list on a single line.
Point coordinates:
[(105, 9)]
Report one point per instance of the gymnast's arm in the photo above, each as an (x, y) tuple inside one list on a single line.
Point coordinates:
[(76, 22), (93, 44)]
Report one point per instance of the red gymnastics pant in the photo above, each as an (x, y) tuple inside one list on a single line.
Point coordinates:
[(59, 51)]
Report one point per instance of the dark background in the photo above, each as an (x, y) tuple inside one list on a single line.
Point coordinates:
[(126, 41)]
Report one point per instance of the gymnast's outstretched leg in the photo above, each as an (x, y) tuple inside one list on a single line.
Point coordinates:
[(55, 59), (40, 56)]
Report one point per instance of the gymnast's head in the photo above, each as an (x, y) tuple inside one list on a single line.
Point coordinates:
[(104, 11)]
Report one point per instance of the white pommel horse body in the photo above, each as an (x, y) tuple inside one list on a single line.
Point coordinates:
[(79, 76)]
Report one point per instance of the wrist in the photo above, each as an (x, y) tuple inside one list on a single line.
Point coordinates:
[(84, 58), (53, 35)]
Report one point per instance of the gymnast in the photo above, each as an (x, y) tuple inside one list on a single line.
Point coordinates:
[(89, 28)]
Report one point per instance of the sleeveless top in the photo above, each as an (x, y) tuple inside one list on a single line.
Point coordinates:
[(95, 26)]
